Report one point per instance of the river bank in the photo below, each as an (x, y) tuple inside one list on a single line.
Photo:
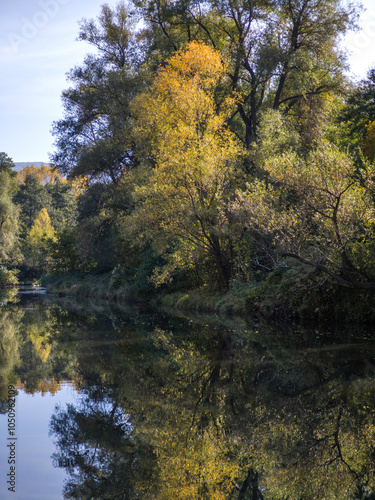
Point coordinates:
[(277, 300), (101, 287)]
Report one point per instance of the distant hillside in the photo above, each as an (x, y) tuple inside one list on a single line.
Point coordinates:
[(20, 165)]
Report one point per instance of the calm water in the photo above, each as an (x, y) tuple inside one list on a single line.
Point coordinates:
[(128, 404)]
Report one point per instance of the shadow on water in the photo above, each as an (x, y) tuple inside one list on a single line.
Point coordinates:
[(188, 407)]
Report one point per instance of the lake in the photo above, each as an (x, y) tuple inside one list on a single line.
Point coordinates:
[(113, 402)]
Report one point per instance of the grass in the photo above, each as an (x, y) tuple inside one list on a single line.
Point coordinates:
[(205, 300), (281, 297), (78, 285), (101, 287)]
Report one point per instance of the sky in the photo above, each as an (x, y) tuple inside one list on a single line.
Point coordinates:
[(38, 47)]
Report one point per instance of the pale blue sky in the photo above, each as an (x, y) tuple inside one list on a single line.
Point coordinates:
[(38, 47)]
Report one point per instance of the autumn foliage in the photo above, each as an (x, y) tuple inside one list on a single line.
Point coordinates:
[(216, 146)]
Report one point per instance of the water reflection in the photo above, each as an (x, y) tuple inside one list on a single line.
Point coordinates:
[(94, 442), (183, 408)]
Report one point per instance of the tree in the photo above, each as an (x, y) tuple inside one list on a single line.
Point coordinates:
[(9, 352), (45, 174), (45, 191), (94, 139), (63, 203), (63, 252), (9, 218), (280, 54), (7, 165), (37, 242), (31, 197), (190, 161), (41, 229), (9, 225), (95, 230), (359, 112), (369, 141), (317, 211), (96, 448)]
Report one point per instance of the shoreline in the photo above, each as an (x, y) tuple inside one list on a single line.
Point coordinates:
[(258, 301)]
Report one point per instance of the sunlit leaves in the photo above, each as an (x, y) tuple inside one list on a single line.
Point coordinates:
[(279, 54), (359, 111), (190, 156), (44, 174), (316, 208), (40, 233), (41, 229)]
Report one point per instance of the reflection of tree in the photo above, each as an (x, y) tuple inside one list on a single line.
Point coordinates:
[(96, 448), (305, 440), (215, 413), (275, 425), (8, 296), (9, 351), (45, 362), (95, 439)]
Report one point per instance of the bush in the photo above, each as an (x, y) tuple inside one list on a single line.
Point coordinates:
[(7, 277)]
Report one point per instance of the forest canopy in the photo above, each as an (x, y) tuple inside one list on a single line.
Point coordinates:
[(214, 146)]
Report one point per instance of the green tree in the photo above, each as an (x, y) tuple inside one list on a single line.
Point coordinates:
[(280, 54), (7, 165), (9, 225), (95, 230), (63, 252), (9, 352), (32, 196), (63, 204), (44, 191), (94, 138), (316, 210), (358, 113)]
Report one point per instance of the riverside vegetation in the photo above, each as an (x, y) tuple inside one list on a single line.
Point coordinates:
[(212, 155)]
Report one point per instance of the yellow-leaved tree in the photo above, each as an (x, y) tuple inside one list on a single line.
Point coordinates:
[(190, 164), (45, 174), (37, 241)]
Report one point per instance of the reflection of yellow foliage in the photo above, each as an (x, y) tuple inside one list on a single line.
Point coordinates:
[(77, 379), (44, 352), (8, 295), (44, 386), (40, 342), (50, 386), (199, 468), (9, 348)]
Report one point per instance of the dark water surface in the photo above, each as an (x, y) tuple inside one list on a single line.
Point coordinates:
[(120, 403)]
